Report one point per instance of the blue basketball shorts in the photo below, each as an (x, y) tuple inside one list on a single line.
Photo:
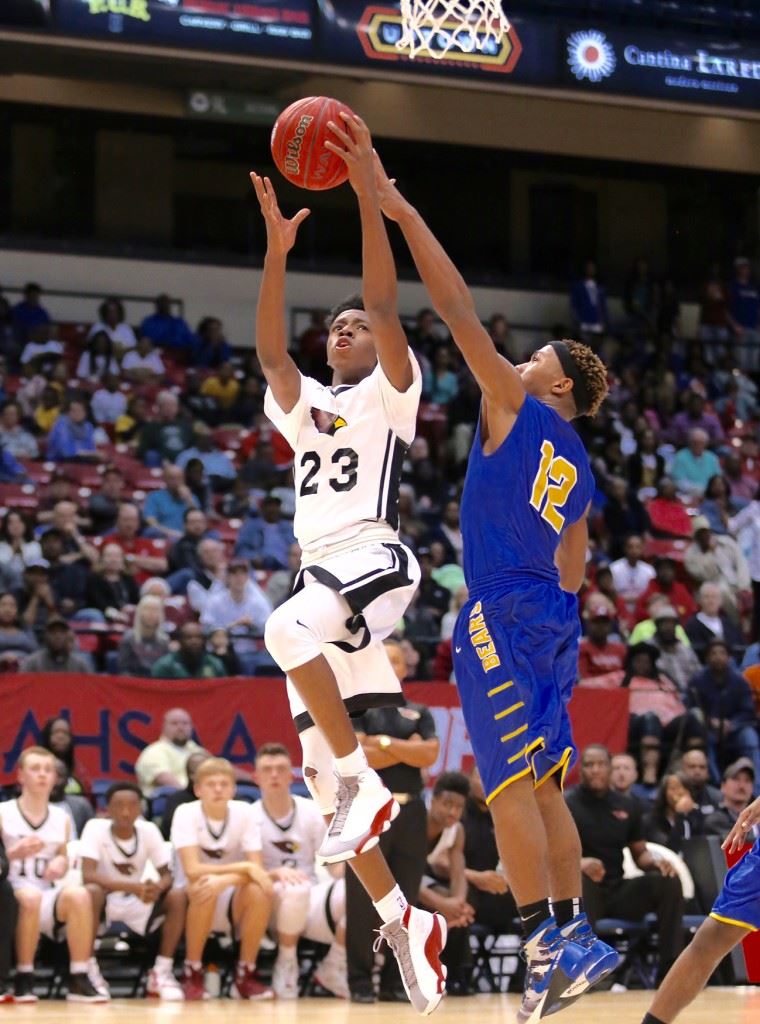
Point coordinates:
[(738, 901), (516, 662)]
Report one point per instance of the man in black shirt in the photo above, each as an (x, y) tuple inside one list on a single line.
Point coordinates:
[(8, 911), (607, 823), (489, 893), (696, 768), (398, 743), (736, 795)]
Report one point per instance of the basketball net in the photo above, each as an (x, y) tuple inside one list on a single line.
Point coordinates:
[(433, 27)]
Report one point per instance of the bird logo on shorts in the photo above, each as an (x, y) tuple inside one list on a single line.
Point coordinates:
[(327, 422)]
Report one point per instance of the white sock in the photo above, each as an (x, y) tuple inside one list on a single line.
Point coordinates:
[(286, 953), (164, 963), (78, 967), (352, 763), (391, 906), (194, 965), (24, 968)]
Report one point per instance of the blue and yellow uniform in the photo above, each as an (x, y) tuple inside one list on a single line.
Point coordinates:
[(516, 640), (738, 901)]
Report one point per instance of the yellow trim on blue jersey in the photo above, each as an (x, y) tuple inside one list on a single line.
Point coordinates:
[(516, 757), (515, 707), (498, 689), (508, 782), (562, 764), (730, 920), (515, 732)]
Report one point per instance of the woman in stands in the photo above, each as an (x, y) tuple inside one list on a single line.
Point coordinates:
[(56, 737), (146, 641), (112, 322), (17, 544), (15, 641), (98, 358), (675, 816)]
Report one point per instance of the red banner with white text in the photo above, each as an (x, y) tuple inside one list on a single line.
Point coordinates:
[(114, 717)]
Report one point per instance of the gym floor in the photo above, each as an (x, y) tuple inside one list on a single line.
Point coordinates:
[(726, 1005)]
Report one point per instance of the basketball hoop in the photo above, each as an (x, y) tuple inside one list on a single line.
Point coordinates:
[(433, 27)]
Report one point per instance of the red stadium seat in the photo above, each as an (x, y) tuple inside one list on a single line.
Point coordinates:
[(18, 496)]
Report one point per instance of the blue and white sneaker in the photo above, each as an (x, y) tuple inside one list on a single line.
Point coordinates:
[(599, 961), (555, 963)]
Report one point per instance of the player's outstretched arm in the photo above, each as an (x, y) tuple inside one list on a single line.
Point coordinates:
[(281, 372), (451, 298), (353, 144)]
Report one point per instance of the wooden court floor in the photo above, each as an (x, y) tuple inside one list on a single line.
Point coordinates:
[(716, 1006)]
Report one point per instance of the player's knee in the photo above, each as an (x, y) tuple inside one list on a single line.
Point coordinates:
[(28, 899), (74, 896), (176, 899), (252, 894), (289, 638)]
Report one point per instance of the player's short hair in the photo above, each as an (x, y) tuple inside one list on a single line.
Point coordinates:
[(594, 374), (452, 782), (34, 752), (272, 750), (214, 766), (123, 787), (354, 301)]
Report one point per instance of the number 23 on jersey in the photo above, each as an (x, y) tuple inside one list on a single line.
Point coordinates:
[(552, 485)]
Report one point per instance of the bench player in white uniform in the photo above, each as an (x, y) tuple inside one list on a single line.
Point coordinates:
[(126, 868), (291, 830), (35, 834), (356, 578), (219, 849)]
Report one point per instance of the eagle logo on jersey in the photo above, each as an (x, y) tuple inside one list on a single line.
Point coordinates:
[(125, 869), (327, 422), (213, 854), (287, 846)]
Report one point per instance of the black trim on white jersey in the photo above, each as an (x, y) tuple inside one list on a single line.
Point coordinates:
[(364, 589), (31, 825), (340, 389), (356, 705), (390, 479)]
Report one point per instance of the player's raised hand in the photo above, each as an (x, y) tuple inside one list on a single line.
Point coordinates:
[(391, 201), (741, 832), (353, 144), (281, 232)]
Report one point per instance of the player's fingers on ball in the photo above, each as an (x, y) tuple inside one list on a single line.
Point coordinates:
[(342, 134)]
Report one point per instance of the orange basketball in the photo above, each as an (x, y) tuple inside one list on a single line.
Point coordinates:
[(298, 143)]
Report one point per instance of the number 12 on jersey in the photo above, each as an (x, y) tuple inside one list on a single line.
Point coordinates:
[(554, 480)]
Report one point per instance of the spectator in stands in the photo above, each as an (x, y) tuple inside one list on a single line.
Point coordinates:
[(223, 387), (665, 582), (242, 608), (109, 403), (65, 518), (8, 914), (169, 332), (112, 322), (588, 301), (182, 796), (440, 384), (266, 539), (645, 467), (103, 506), (631, 574), (13, 437), (29, 313), (711, 558), (190, 660), (735, 793), (421, 472), (78, 808), (56, 654), (15, 641), (488, 893), (164, 763), (607, 823), (668, 516), (676, 658), (717, 506), (143, 364), (210, 347), (695, 465), (67, 572), (623, 514), (72, 437), (17, 544), (711, 622), (426, 335), (695, 766), (129, 426), (624, 779), (40, 906), (312, 344), (142, 645), (217, 466), (183, 554), (111, 587), (598, 655), (444, 887), (169, 434), (458, 601), (35, 597), (49, 409), (141, 553), (164, 510), (127, 896), (210, 577), (11, 471), (220, 645), (260, 470), (714, 329), (213, 862), (280, 584), (675, 816), (98, 359), (744, 314), (197, 483), (747, 523), (723, 695), (742, 486), (694, 417), (199, 407), (56, 736), (433, 596), (448, 532)]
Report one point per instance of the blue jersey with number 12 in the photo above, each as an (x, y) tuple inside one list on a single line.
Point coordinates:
[(518, 500)]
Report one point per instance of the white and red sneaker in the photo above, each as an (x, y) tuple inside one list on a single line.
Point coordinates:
[(332, 972), (163, 985), (248, 985), (364, 809), (417, 939), (193, 988)]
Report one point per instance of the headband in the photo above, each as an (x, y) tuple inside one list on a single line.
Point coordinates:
[(571, 369)]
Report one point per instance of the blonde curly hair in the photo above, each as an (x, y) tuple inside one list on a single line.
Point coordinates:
[(594, 372)]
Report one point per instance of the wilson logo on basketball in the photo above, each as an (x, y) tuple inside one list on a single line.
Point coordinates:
[(295, 145)]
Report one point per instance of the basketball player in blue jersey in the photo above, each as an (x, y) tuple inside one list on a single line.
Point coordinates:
[(524, 507), (735, 914)]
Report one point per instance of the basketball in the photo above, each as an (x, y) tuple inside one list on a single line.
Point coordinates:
[(298, 143)]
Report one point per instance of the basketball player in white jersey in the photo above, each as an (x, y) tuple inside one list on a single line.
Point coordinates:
[(356, 578), (126, 868), (291, 831), (35, 834), (219, 848)]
